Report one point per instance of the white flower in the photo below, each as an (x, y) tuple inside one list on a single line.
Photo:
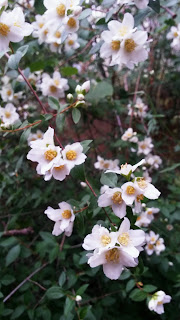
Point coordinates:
[(130, 135), (113, 197), (145, 146), (7, 93), (174, 34), (13, 28), (41, 28), (73, 154), (44, 152), (103, 164), (130, 192), (142, 220), (159, 246), (63, 217), (113, 260), (158, 299), (126, 169), (71, 42), (54, 86), (130, 240), (3, 3), (28, 4), (150, 213), (147, 189), (100, 238), (8, 115), (141, 108), (59, 171), (154, 161), (35, 136)]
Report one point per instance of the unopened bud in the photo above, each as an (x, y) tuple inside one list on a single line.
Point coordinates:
[(86, 86), (70, 97), (80, 97), (78, 298)]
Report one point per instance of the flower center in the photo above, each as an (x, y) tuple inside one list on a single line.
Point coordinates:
[(123, 31), (143, 146), (149, 212), (106, 165), (115, 45), (159, 303), (58, 34), (4, 29), (53, 89), (113, 255), (139, 197), (124, 239), (61, 9), (142, 183), (46, 32), (105, 240), (41, 25), (7, 114), (71, 23), (59, 168), (71, 155), (158, 243), (150, 246), (9, 92), (138, 218), (130, 45), (56, 44), (70, 42), (130, 190), (117, 198), (50, 154), (66, 214), (153, 239), (57, 82), (175, 34)]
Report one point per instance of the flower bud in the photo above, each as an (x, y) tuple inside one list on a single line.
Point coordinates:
[(78, 89), (78, 298), (80, 97), (70, 97), (86, 86)]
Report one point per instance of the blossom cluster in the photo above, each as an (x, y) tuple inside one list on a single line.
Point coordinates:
[(52, 160), (154, 243)]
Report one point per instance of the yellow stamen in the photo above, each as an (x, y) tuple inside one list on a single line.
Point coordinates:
[(9, 92), (123, 31), (124, 239), (61, 10), (71, 155), (41, 25), (130, 45), (175, 34), (130, 190), (66, 214), (140, 197), (4, 29), (56, 82), (117, 198), (58, 34), (7, 114), (70, 42), (53, 89), (46, 32), (105, 240), (71, 23), (50, 154), (142, 183), (150, 246), (59, 168), (149, 212), (113, 255), (115, 45)]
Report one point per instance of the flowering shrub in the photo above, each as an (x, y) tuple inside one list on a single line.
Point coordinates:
[(89, 123)]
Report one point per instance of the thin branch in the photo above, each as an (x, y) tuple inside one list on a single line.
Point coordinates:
[(24, 281), (26, 127), (38, 284), (24, 231)]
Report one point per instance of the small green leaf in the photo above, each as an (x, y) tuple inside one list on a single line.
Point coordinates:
[(85, 144), (14, 60), (138, 295), (155, 5), (85, 13), (149, 288), (110, 179), (69, 71), (53, 103), (131, 283), (23, 50), (54, 293), (13, 254), (76, 115), (62, 279), (82, 289)]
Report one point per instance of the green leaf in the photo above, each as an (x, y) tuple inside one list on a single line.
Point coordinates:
[(13, 254), (100, 91), (85, 144), (69, 306), (96, 47), (1, 295), (155, 5), (39, 6), (149, 288), (176, 165), (25, 135), (76, 115), (7, 279), (23, 50), (138, 295), (69, 71), (14, 60), (82, 289), (53, 103), (110, 179), (62, 279), (18, 312), (54, 293), (138, 18), (85, 13), (131, 283)]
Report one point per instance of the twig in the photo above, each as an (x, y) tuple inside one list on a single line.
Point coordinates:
[(24, 281), (37, 284), (62, 242), (24, 231), (26, 127)]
